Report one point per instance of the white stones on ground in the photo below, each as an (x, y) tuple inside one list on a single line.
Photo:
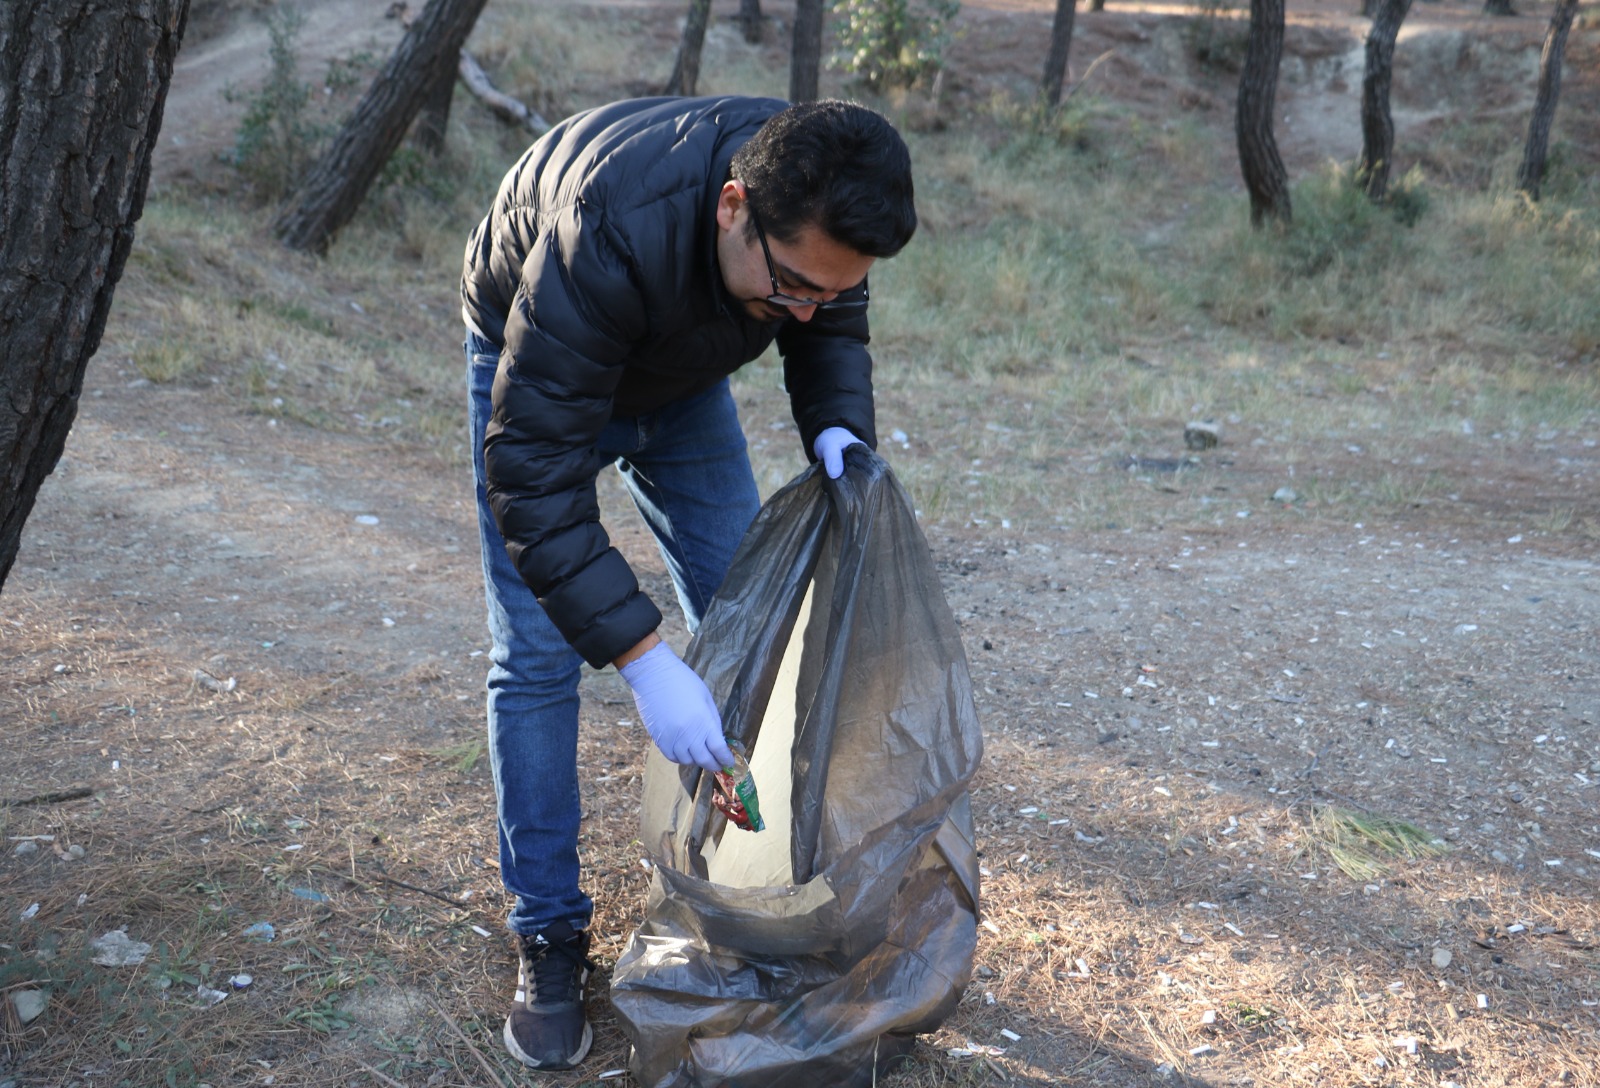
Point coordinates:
[(1442, 958), (117, 949), (28, 1004)]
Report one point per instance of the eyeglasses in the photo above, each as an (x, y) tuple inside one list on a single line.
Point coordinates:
[(783, 298)]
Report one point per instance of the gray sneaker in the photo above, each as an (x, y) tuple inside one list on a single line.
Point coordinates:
[(547, 1028)]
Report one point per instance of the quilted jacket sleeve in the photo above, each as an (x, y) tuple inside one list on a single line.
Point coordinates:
[(828, 373), (575, 315)]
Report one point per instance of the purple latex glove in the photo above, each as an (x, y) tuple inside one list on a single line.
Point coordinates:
[(677, 709), (829, 448)]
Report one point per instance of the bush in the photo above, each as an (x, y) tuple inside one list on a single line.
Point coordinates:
[(276, 135), (892, 43)]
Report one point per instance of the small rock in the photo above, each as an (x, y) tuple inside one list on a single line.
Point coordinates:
[(1202, 435), (25, 848), (115, 949), (211, 683), (1285, 495), (1441, 958), (28, 1004), (260, 931)]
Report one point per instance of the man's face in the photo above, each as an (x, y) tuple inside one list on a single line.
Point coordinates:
[(813, 267)]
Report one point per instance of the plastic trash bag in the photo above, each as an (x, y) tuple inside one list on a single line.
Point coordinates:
[(813, 952)]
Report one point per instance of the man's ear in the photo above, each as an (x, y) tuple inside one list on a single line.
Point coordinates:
[(729, 201)]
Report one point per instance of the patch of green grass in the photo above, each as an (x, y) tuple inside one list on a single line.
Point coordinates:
[(1364, 845), (462, 757), (166, 360)]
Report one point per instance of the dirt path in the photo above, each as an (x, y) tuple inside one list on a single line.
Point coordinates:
[(216, 615)]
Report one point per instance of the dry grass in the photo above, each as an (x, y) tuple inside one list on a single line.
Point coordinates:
[(1148, 919)]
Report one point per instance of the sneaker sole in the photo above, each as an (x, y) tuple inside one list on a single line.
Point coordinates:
[(518, 1053)]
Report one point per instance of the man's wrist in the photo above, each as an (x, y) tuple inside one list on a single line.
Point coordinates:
[(639, 649)]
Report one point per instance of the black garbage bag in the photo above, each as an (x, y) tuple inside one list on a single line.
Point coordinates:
[(813, 952)]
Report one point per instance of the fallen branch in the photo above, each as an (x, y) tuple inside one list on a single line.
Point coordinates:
[(387, 879), (502, 105), (71, 793), (494, 1078), (386, 1078), (1087, 72)]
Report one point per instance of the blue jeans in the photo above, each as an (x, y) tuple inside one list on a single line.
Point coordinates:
[(688, 470)]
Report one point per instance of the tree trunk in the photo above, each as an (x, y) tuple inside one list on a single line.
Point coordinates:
[(1055, 64), (1497, 7), (1097, 5), (336, 184), (82, 87), (750, 20), (1377, 127), (1531, 176), (686, 70), (433, 121), (805, 59), (1264, 174)]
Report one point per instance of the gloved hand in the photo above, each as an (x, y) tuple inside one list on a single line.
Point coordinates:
[(829, 448), (677, 709)]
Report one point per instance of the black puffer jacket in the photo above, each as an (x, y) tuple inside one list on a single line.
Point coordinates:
[(596, 268)]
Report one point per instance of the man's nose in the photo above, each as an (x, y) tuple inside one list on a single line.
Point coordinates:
[(804, 313)]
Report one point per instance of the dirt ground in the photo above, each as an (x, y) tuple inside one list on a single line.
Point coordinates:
[(223, 625)]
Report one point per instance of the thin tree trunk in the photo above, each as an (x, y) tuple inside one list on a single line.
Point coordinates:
[(1055, 64), (1377, 126), (805, 59), (334, 188), (1531, 176), (1097, 5), (1497, 7), (686, 70), (82, 87), (433, 120), (750, 20), (1264, 174)]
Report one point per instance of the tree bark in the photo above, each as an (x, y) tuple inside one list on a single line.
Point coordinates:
[(805, 58), (686, 69), (1497, 7), (82, 87), (1377, 126), (1055, 64), (333, 189), (1531, 175), (750, 20), (1097, 5), (433, 120), (1264, 174)]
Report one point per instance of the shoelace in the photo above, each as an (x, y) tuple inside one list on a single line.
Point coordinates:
[(556, 969)]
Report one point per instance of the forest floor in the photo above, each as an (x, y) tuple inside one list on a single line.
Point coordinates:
[(243, 661)]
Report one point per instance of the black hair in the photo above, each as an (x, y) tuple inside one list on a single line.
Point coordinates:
[(838, 166)]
